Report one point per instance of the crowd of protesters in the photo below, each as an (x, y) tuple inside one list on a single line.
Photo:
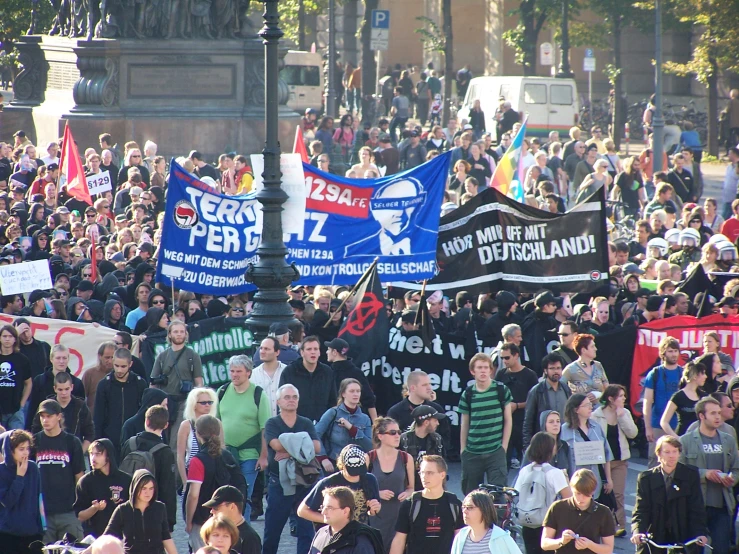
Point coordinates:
[(299, 421)]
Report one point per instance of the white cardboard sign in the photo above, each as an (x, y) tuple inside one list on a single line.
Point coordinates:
[(25, 277)]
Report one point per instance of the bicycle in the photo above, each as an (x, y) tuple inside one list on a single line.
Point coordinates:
[(505, 500), (672, 548)]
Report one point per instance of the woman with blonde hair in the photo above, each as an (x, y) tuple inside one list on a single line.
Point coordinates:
[(221, 533), (200, 401), (366, 161), (650, 271), (394, 470), (611, 156)]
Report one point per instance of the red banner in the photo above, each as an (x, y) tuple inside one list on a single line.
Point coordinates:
[(337, 198), (689, 333)]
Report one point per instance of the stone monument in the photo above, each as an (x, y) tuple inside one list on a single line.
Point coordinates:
[(187, 74)]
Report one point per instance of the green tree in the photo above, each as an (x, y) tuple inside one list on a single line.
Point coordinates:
[(441, 40), (15, 19), (292, 17), (715, 50), (523, 38)]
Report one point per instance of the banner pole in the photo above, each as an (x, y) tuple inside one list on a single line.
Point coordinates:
[(174, 298), (362, 279), (418, 312)]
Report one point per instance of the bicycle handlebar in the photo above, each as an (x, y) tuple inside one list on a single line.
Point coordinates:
[(670, 547), (495, 488)]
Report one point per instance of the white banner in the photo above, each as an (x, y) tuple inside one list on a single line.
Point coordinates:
[(82, 339), (99, 183), (25, 277), (293, 183)]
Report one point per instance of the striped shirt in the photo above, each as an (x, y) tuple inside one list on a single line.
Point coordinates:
[(486, 417)]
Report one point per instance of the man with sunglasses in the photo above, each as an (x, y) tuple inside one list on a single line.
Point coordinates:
[(566, 332), (422, 439)]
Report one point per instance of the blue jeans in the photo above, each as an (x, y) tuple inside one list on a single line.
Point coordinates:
[(249, 470), (279, 508), (16, 420), (719, 527)]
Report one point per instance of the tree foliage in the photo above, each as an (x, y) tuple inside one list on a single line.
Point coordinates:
[(15, 19), (523, 38), (289, 19)]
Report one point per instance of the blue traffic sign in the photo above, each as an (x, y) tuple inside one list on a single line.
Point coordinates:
[(380, 19), (589, 53)]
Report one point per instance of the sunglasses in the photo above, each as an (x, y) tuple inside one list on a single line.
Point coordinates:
[(237, 310), (505, 357), (158, 302), (205, 402), (392, 432)]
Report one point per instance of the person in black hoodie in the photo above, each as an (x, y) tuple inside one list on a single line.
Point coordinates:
[(314, 380), (114, 315), (43, 385), (118, 398), (157, 307), (101, 490), (136, 424), (156, 421), (35, 350), (344, 368), (536, 326), (141, 523), (507, 305), (40, 246)]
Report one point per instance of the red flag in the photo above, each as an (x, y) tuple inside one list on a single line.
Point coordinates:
[(299, 145), (72, 170)]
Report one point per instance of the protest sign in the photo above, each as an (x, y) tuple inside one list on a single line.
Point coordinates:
[(214, 339), (292, 182), (208, 238), (350, 222), (494, 243), (82, 339), (25, 277), (689, 332), (100, 183)]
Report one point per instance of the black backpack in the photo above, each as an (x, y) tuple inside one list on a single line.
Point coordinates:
[(220, 471)]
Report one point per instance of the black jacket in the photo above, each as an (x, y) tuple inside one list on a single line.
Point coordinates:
[(249, 540), (345, 369), (401, 412), (95, 485), (347, 539), (115, 402), (141, 532), (673, 515), (536, 402), (77, 419), (135, 424), (317, 389), (38, 353), (164, 461), (43, 388), (534, 330)]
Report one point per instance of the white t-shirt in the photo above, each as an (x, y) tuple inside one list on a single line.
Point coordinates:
[(556, 480), (270, 385)]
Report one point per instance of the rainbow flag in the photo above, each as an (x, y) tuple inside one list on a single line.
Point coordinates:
[(509, 173)]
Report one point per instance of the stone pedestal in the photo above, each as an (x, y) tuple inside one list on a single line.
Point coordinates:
[(206, 95)]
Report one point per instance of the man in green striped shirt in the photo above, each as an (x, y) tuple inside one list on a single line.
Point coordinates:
[(486, 427)]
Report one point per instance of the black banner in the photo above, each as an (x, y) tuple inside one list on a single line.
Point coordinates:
[(494, 243), (214, 339)]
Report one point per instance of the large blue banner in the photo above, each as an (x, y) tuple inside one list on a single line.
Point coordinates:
[(350, 222), (208, 238)]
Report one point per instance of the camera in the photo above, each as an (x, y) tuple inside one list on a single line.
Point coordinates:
[(161, 381)]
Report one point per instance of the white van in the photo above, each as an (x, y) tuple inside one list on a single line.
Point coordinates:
[(550, 103), (303, 73)]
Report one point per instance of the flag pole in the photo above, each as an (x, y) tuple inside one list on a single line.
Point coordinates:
[(362, 279), (418, 312)]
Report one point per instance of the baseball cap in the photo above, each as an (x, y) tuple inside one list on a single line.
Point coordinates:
[(119, 218), (224, 494), (422, 413), (642, 292), (545, 298), (62, 210), (37, 295), (632, 268), (414, 133), (146, 247), (20, 134), (49, 406), (355, 461), (297, 304), (278, 329), (654, 302), (85, 285), (297, 288), (338, 344), (727, 301)]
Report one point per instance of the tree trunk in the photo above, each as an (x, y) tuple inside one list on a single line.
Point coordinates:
[(369, 70), (301, 24), (712, 86), (530, 34), (617, 121), (446, 14)]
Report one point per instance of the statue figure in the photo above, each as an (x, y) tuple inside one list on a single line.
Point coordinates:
[(245, 27), (61, 24)]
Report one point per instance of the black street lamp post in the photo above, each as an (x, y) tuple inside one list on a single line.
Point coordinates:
[(271, 274), (565, 72)]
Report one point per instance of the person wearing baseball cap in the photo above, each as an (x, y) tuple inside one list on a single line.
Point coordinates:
[(63, 465), (229, 502), (337, 353), (352, 465), (422, 439)]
